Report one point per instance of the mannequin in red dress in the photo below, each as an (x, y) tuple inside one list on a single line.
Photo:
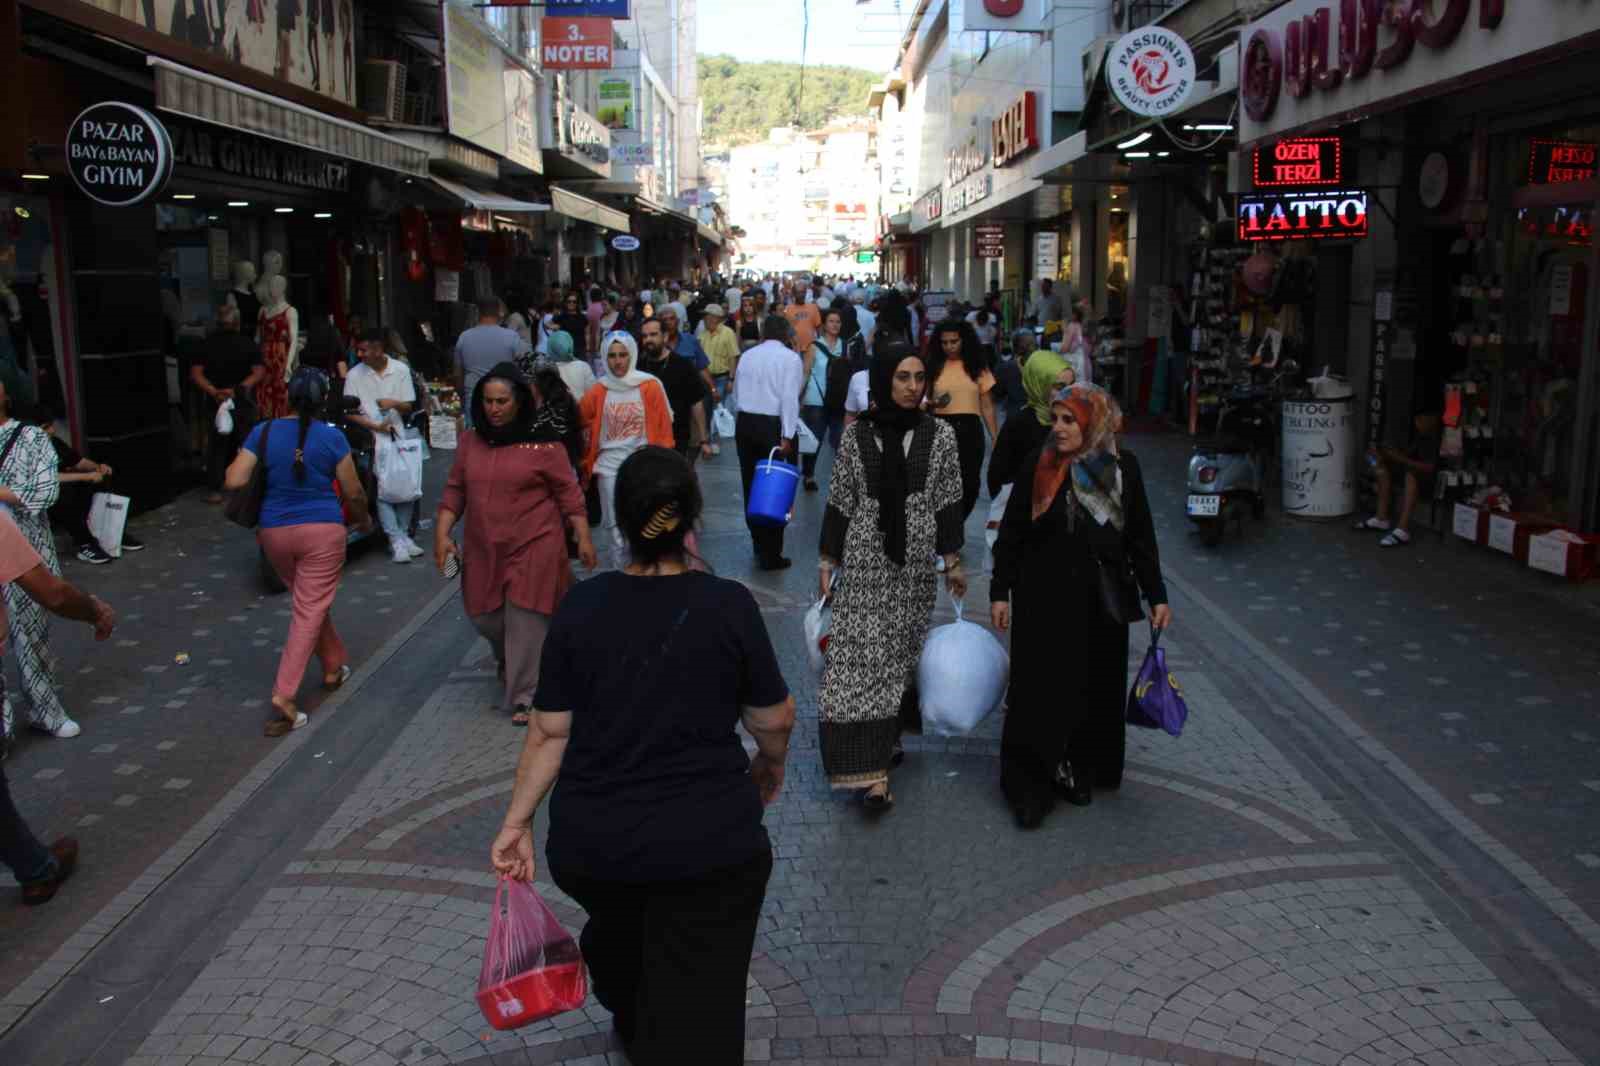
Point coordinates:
[(277, 334)]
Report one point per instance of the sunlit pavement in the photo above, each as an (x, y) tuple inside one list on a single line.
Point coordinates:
[(1375, 843)]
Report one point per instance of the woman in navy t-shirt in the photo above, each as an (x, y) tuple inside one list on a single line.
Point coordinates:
[(302, 532), (655, 822)]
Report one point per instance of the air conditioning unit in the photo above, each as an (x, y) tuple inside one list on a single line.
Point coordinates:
[(383, 89)]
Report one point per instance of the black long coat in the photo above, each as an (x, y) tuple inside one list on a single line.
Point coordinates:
[(1069, 672)]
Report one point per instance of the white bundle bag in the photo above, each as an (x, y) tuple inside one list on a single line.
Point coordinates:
[(819, 626), (961, 678), (399, 468), (224, 421), (809, 445), (723, 422)]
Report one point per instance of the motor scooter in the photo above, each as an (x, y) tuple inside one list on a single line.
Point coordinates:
[(1227, 471)]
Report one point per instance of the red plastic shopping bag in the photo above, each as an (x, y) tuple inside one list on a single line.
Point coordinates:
[(531, 966)]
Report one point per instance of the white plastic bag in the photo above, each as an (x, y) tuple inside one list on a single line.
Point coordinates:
[(224, 422), (723, 422), (108, 517), (808, 440), (399, 469), (819, 627), (961, 678)]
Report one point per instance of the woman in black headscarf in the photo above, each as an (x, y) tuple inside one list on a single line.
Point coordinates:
[(894, 504), (514, 481)]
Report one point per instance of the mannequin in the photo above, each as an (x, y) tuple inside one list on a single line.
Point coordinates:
[(11, 372), (278, 336), (243, 295), (271, 267)]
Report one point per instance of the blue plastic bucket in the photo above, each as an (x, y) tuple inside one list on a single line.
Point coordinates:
[(772, 491)]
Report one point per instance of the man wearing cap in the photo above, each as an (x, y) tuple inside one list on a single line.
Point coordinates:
[(721, 346)]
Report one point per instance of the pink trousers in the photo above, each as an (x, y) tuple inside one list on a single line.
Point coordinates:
[(308, 559)]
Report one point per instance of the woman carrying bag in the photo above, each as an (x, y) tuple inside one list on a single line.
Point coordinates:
[(302, 531), (894, 501), (1076, 537)]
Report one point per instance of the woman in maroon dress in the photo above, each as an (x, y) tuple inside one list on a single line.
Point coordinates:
[(513, 482)]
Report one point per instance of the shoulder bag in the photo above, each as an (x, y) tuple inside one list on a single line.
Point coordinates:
[(1119, 590), (244, 507)]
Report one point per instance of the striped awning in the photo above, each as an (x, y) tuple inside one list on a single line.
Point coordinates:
[(185, 91)]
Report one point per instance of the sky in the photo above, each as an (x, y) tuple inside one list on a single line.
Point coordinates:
[(842, 32)]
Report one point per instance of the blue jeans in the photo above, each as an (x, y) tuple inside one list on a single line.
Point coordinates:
[(828, 429), (28, 859), (395, 518)]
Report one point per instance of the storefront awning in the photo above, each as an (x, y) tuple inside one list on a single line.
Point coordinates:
[(569, 203), (488, 201), (185, 91), (667, 212)]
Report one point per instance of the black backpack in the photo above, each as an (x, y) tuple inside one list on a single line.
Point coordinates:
[(840, 371)]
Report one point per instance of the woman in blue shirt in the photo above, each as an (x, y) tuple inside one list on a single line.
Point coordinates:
[(828, 346), (303, 533)]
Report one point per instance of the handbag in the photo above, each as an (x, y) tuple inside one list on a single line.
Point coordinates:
[(1119, 592), (1156, 699), (244, 507)]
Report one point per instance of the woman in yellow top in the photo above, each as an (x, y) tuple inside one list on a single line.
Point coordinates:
[(962, 395)]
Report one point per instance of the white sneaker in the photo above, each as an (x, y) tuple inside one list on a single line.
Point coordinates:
[(398, 552), (716, 449), (412, 549), (66, 730)]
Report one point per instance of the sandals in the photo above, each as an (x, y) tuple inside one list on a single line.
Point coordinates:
[(520, 716), (877, 799), (338, 679), (1397, 538), (282, 727)]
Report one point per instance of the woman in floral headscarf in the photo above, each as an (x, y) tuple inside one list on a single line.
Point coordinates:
[(1079, 508)]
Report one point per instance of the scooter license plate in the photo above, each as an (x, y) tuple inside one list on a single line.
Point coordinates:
[(1204, 506)]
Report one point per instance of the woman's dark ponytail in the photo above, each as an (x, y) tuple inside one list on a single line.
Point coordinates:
[(300, 448)]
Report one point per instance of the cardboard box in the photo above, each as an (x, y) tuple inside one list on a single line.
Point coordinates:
[(1510, 533), (1555, 554), (1471, 523)]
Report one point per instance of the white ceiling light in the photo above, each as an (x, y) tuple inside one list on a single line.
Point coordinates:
[(1136, 155), (1136, 140), (283, 210), (1213, 127), (238, 203)]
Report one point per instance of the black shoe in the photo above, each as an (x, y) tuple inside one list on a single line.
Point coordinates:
[(132, 544), (93, 555), (780, 563), (811, 486), (1028, 816), (897, 755)]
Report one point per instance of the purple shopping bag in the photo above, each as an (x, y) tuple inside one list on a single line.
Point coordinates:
[(1156, 700)]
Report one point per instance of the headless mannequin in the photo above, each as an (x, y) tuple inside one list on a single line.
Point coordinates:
[(243, 297), (277, 303)]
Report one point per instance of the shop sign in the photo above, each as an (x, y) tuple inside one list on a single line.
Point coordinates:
[(1046, 254), (118, 154), (244, 156), (1310, 59), (611, 9), (969, 192), (632, 152), (1554, 162), (1004, 16), (491, 95), (866, 257), (1016, 131), (960, 162), (1299, 161), (616, 103), (929, 206), (989, 240), (587, 137), (1151, 71), (1293, 216), (624, 242), (575, 43)]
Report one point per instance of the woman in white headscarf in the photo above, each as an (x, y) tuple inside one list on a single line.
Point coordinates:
[(624, 411)]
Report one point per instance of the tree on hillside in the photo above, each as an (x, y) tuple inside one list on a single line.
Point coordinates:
[(740, 102)]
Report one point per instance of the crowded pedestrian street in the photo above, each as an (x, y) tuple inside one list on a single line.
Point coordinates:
[(1362, 848)]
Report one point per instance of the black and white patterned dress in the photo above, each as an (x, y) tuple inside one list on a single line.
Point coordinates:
[(881, 610)]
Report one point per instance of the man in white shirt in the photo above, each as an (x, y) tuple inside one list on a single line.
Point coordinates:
[(384, 387), (864, 318), (767, 384)]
